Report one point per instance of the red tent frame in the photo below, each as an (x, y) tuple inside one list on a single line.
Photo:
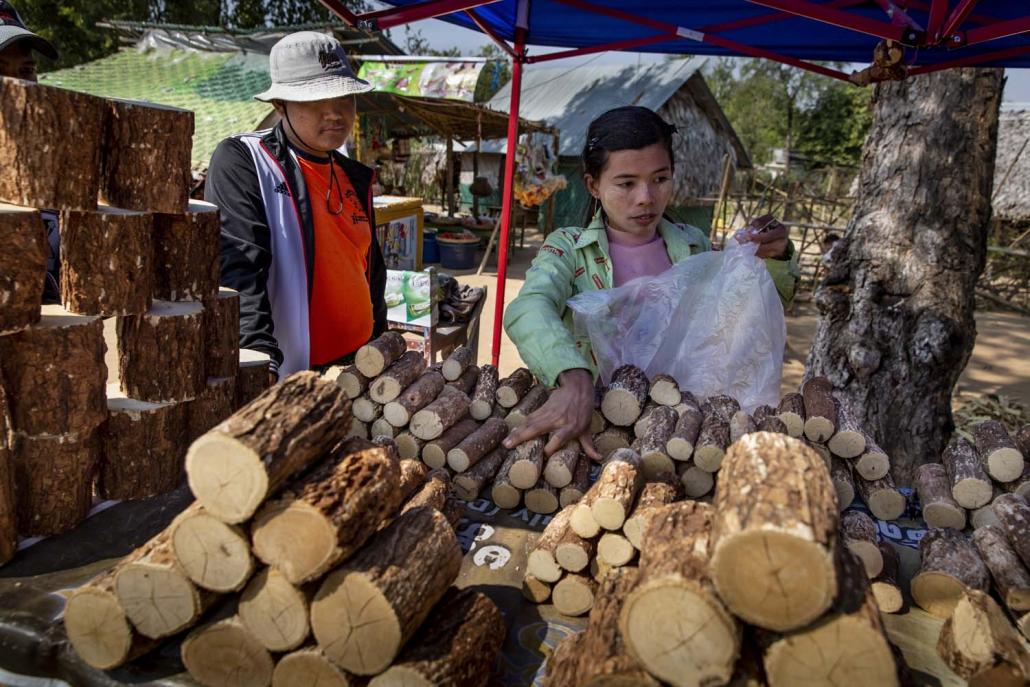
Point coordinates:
[(942, 30)]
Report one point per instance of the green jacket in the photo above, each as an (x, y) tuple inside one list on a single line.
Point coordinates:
[(573, 260)]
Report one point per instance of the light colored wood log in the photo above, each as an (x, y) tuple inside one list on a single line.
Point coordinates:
[(397, 377), (874, 462), (980, 645), (375, 356), (949, 564), (696, 482), (664, 490), (513, 388), (542, 498), (275, 612), (1010, 575), (214, 555), (542, 562), (1001, 457), (225, 654), (970, 485), (612, 496), (485, 394), (529, 464), (457, 362), (309, 667), (434, 452), (351, 381), (934, 490), (440, 415), (503, 492), (882, 497), (626, 396), (858, 534), (885, 586), (849, 439), (573, 595), (792, 414), (561, 466), (665, 390)]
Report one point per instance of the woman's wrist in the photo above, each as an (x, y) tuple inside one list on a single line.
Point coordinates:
[(574, 376)]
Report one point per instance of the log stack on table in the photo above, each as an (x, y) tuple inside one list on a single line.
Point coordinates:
[(115, 174)]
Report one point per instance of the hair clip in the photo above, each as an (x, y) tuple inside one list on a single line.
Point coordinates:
[(593, 142)]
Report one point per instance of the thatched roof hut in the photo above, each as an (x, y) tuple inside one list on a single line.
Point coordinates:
[(1012, 165)]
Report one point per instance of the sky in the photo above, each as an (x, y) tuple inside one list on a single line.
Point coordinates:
[(442, 35)]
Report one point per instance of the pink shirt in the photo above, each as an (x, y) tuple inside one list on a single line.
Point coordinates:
[(632, 259)]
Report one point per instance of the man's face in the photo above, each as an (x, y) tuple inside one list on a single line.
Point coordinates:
[(17, 62), (323, 125)]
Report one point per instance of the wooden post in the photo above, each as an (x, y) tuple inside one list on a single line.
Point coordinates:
[(449, 183)]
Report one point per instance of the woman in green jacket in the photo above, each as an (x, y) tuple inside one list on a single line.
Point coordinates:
[(627, 167)]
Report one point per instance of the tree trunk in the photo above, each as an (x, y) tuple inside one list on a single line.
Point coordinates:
[(934, 490), (186, 253), (225, 654), (949, 564), (396, 378), (275, 612), (309, 666), (896, 323), (22, 267), (211, 406), (161, 353), (235, 466), (53, 481), (980, 645), (414, 398), (252, 377), (222, 333), (214, 555), (485, 394), (375, 356)]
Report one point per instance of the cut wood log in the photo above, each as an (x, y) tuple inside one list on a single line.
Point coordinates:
[(354, 383), (329, 513), (143, 445), (573, 553), (485, 393), (222, 334), (457, 646), (762, 413), (1013, 513), (681, 444), (858, 534), (503, 492), (186, 253), (984, 516), (720, 405), (434, 453), (375, 356), (615, 550), (466, 383), (275, 612), (696, 482), (477, 445), (225, 654), (980, 645), (610, 440), (542, 562), (409, 446), (366, 410), (1010, 575), (970, 485), (1020, 485), (440, 415), (663, 491), (847, 644), (381, 427), (712, 442), (396, 378), (612, 496), (740, 424), (561, 466), (529, 404), (413, 474), (158, 597), (843, 481), (22, 267), (457, 362), (210, 407), (882, 497), (214, 555), (626, 396), (235, 466), (849, 439), (55, 375), (1023, 440), (665, 391), (672, 621), (949, 564), (542, 498), (885, 587), (598, 423), (53, 481), (469, 484), (514, 387), (146, 156), (934, 490), (433, 492), (820, 410), (792, 413), (358, 430), (775, 511), (529, 464), (773, 423), (644, 421), (874, 463), (580, 484), (573, 595), (161, 353), (1000, 455), (252, 377), (107, 261), (68, 174), (368, 608), (309, 667), (654, 458), (535, 590), (414, 398), (562, 666), (8, 508)]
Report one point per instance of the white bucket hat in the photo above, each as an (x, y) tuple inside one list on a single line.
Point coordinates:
[(307, 66)]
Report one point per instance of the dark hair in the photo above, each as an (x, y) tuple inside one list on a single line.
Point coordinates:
[(624, 128)]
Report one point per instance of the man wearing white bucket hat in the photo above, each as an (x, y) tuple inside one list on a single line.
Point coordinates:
[(298, 226)]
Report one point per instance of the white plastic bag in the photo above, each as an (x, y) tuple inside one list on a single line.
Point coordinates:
[(713, 321)]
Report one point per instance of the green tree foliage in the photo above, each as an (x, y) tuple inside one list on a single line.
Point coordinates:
[(834, 128)]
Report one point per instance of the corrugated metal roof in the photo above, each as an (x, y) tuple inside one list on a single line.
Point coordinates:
[(569, 98)]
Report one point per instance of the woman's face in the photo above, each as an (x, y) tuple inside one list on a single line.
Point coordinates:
[(634, 188), (321, 125)]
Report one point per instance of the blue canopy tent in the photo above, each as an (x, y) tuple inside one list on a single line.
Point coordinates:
[(897, 38)]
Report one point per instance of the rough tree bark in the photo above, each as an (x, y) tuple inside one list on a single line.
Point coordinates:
[(896, 321)]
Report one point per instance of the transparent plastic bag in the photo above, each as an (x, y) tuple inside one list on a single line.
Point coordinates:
[(713, 321)]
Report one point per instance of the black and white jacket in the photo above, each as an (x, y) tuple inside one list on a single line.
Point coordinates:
[(268, 242)]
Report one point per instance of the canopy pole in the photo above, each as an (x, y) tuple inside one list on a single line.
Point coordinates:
[(508, 192)]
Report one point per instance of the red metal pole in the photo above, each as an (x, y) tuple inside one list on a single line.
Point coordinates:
[(395, 16), (997, 31), (620, 45), (846, 20), (938, 12), (509, 185), (485, 28), (958, 15), (970, 61)]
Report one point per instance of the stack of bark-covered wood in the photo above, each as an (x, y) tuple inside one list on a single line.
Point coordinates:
[(115, 176), (307, 558), (757, 586)]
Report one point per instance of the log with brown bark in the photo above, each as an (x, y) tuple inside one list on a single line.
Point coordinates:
[(541, 498), (161, 353), (573, 553), (740, 424), (513, 388), (226, 654), (233, 468), (712, 442), (252, 377), (843, 481), (775, 509), (673, 622), (654, 457), (186, 253), (934, 489), (457, 645), (542, 562), (626, 396), (213, 554), (409, 446), (885, 587), (329, 513), (433, 493), (874, 462), (55, 375), (309, 666), (1022, 438), (984, 516), (773, 423), (485, 394), (413, 474), (535, 590), (396, 378), (792, 413), (980, 645), (354, 383), (820, 409), (663, 490), (573, 595), (440, 415), (665, 391), (762, 413), (22, 267), (475, 446), (1020, 485), (611, 497), (696, 482), (949, 564), (457, 362), (375, 356), (858, 534), (274, 611), (1010, 574), (580, 484), (721, 405), (222, 333), (53, 481), (366, 410), (611, 439), (8, 508), (529, 404), (849, 439), (414, 398), (211, 406), (644, 421), (681, 444), (107, 261), (970, 485), (882, 497), (67, 174), (367, 609), (1001, 457), (434, 453), (142, 449), (561, 466), (503, 492), (1013, 513), (562, 666), (529, 464), (469, 484), (466, 383)]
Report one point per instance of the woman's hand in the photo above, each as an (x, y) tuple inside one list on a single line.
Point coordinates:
[(565, 416), (769, 234)]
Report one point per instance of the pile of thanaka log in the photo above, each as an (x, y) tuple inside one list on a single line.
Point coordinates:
[(115, 175), (307, 558)]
